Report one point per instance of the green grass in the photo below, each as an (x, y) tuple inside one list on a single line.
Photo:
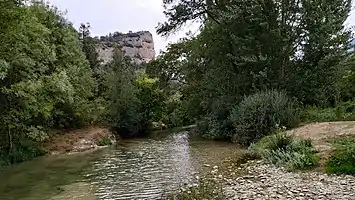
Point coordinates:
[(315, 114), (343, 112), (343, 159), (104, 142), (283, 150)]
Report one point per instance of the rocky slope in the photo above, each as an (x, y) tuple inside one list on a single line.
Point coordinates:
[(139, 46)]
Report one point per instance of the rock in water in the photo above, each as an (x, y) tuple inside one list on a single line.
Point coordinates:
[(138, 46)]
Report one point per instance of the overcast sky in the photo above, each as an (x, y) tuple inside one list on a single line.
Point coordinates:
[(125, 15)]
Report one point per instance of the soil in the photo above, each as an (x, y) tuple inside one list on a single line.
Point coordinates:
[(79, 140), (322, 134)]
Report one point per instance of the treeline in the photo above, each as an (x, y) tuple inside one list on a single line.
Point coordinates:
[(257, 66), (51, 79)]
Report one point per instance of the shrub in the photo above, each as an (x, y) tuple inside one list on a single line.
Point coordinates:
[(106, 141), (315, 114), (346, 111), (343, 159), (273, 142), (261, 114), (283, 151), (25, 150)]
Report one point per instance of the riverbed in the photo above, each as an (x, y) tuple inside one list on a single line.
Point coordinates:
[(145, 168)]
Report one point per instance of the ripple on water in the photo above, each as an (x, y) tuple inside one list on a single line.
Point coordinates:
[(136, 169), (143, 170)]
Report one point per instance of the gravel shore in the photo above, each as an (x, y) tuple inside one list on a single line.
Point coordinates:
[(268, 182)]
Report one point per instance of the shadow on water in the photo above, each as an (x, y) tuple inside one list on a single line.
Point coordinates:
[(141, 168)]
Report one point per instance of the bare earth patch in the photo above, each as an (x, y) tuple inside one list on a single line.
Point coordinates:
[(322, 133), (77, 140)]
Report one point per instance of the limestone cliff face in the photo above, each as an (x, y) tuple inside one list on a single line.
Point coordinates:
[(138, 46)]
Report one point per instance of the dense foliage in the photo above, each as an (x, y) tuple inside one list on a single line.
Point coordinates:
[(43, 70), (224, 79), (51, 78), (247, 46)]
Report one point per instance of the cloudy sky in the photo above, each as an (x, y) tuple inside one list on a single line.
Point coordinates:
[(125, 15)]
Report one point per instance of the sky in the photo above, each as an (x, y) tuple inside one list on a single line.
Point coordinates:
[(107, 16)]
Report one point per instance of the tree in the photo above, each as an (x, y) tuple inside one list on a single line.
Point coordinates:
[(247, 46), (89, 45), (42, 71)]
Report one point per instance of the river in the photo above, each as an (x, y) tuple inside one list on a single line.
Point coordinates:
[(133, 169)]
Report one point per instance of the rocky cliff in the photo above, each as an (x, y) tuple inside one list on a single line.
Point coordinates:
[(139, 46)]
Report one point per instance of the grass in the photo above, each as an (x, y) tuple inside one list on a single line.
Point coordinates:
[(343, 159), (343, 112), (106, 141), (315, 114), (283, 150)]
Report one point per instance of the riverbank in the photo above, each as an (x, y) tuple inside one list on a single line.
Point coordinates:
[(80, 140), (264, 181)]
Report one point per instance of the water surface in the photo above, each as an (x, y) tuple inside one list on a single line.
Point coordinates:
[(134, 169)]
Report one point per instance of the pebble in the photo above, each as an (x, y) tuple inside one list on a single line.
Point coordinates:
[(268, 182)]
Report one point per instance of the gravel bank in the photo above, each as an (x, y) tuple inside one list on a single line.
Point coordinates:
[(268, 182)]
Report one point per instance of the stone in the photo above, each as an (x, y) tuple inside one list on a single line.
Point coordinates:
[(138, 46), (275, 183)]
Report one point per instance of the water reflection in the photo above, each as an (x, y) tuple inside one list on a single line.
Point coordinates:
[(135, 169), (143, 169)]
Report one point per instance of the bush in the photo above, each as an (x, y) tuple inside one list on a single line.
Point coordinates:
[(343, 159), (283, 151), (25, 150), (315, 114), (106, 141), (261, 114), (346, 111), (273, 142)]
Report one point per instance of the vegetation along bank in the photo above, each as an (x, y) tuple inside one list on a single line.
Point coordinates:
[(255, 70)]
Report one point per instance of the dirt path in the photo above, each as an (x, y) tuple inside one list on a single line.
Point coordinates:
[(322, 133)]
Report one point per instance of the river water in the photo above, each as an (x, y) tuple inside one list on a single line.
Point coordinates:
[(133, 169)]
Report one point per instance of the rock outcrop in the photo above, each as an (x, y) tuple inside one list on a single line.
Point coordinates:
[(138, 46)]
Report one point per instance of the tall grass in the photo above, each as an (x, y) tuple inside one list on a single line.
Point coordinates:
[(282, 150)]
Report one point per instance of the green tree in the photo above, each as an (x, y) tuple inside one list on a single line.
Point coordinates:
[(89, 45), (246, 46), (123, 105), (42, 74)]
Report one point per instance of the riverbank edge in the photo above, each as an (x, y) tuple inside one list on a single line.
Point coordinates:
[(279, 183), (82, 140), (266, 181)]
